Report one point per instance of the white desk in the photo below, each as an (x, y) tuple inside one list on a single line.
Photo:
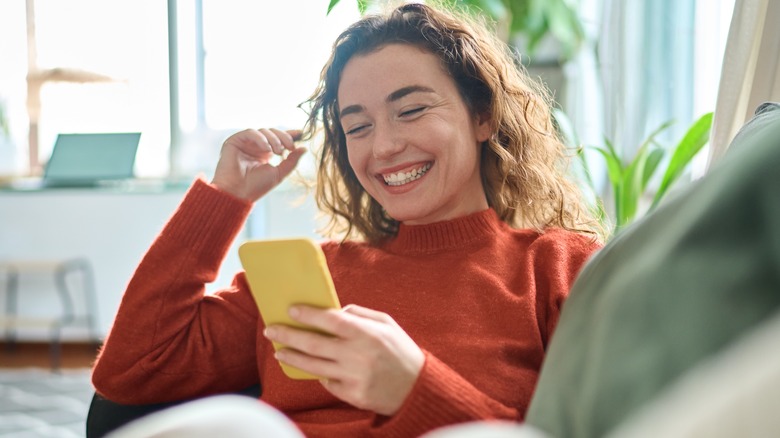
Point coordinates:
[(112, 229)]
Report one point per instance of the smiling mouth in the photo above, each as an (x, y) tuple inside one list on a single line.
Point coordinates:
[(401, 178)]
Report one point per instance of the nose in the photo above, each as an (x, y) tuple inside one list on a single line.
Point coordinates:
[(388, 141)]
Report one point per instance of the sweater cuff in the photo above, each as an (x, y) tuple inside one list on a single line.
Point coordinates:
[(440, 397), (207, 218)]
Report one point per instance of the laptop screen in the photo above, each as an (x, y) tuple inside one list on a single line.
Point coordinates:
[(86, 158)]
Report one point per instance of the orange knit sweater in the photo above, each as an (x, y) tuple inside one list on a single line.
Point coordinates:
[(481, 300)]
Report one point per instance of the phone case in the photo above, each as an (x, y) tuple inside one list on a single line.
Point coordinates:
[(283, 272)]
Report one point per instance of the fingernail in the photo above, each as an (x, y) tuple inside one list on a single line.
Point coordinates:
[(269, 332), (293, 311)]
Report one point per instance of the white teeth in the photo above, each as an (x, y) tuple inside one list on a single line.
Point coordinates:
[(401, 178)]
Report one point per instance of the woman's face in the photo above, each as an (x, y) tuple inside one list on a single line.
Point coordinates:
[(411, 139)]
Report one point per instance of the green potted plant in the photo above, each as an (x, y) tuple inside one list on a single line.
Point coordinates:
[(532, 20), (629, 177), (528, 23)]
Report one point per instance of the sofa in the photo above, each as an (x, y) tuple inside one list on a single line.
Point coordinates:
[(670, 297)]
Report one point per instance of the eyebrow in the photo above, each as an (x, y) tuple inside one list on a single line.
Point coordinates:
[(392, 97)]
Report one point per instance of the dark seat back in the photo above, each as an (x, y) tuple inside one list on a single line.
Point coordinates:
[(105, 416)]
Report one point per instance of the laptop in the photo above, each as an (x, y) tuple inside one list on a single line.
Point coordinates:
[(89, 160)]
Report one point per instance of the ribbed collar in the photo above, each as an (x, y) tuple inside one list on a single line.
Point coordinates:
[(446, 235)]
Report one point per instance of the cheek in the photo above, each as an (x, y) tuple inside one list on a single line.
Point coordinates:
[(352, 158), (357, 161)]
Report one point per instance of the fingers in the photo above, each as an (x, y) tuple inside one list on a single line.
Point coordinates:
[(246, 166), (334, 321), (309, 351), (250, 142), (364, 312), (366, 362), (278, 140), (317, 366), (296, 134), (312, 343), (257, 142), (337, 323)]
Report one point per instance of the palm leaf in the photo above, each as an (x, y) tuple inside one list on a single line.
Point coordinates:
[(614, 166), (651, 138), (613, 152), (362, 6), (331, 5), (632, 186), (653, 160), (697, 136)]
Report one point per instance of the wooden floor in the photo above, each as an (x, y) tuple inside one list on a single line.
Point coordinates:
[(28, 354)]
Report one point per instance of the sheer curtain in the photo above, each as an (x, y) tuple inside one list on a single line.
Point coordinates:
[(646, 65), (636, 72), (750, 73)]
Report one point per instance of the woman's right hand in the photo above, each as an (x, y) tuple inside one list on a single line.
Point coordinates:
[(244, 169)]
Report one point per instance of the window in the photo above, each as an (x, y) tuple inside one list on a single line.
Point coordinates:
[(248, 65), (105, 66), (101, 66), (657, 61)]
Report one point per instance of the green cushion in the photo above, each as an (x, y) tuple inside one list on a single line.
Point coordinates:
[(669, 291)]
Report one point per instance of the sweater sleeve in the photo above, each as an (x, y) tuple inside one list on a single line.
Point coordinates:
[(439, 398), (170, 340)]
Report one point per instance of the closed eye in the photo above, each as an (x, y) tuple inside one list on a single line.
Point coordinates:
[(356, 130), (412, 111)]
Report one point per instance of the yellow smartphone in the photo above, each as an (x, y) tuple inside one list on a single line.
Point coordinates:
[(283, 272)]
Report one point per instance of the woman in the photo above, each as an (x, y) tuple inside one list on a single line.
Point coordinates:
[(461, 238)]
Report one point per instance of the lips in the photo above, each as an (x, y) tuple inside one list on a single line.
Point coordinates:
[(405, 177)]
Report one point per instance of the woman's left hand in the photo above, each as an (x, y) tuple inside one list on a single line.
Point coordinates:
[(368, 362)]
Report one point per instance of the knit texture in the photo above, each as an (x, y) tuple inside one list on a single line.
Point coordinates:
[(480, 298)]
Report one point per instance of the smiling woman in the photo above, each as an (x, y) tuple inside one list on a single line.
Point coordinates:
[(520, 161), (460, 241), (413, 144)]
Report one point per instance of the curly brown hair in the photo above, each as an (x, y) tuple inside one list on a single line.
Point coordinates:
[(522, 164)]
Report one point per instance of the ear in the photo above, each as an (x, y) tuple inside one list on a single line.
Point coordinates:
[(482, 127)]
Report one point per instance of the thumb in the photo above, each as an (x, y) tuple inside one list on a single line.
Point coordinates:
[(288, 164)]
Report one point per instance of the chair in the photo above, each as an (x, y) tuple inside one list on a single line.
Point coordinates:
[(105, 416), (66, 273)]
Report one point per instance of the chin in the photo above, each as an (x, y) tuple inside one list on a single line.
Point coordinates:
[(400, 215), (407, 215)]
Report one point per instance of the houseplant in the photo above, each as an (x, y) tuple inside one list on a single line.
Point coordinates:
[(533, 20), (630, 177)]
